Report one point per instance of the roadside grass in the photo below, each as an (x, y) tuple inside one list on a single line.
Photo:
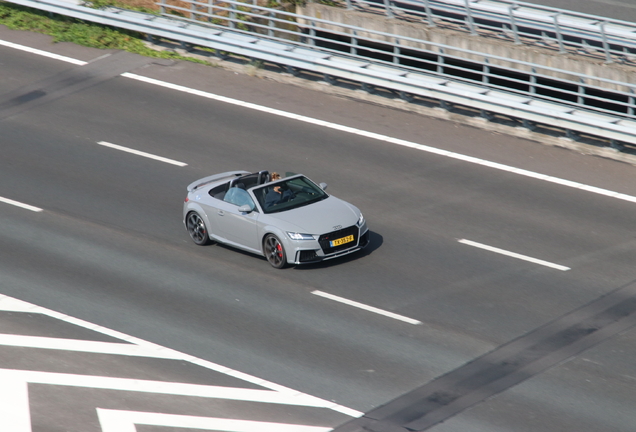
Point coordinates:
[(66, 29)]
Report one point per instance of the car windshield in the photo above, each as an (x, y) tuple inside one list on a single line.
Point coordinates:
[(288, 194)]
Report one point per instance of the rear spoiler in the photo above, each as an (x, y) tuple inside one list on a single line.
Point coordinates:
[(206, 180)]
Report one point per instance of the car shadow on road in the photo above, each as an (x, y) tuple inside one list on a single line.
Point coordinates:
[(375, 242)]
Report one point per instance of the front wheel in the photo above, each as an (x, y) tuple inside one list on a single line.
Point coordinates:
[(197, 229), (274, 251)]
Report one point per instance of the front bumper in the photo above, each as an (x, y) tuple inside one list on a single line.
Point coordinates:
[(308, 251)]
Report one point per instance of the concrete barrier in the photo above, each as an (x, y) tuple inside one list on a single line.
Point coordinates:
[(591, 63)]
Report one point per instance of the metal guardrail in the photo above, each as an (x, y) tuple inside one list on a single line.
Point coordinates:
[(269, 36), (526, 79), (520, 22)]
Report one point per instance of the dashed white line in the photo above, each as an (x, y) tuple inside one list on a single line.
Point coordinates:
[(20, 204), (388, 139), (514, 255), (140, 153), (42, 53), (347, 129), (366, 307)]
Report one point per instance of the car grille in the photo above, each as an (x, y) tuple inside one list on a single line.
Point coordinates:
[(326, 238), (307, 256)]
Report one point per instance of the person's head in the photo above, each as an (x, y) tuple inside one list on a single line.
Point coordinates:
[(275, 176)]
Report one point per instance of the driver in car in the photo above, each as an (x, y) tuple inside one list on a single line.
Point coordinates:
[(276, 194)]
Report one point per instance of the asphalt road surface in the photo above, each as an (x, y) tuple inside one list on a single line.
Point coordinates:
[(484, 248)]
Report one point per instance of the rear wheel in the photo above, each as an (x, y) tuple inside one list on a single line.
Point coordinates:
[(197, 229), (274, 251)]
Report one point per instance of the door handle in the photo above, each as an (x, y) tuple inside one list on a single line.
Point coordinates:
[(220, 213)]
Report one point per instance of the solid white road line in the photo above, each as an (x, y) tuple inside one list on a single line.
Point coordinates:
[(125, 421), (366, 307), (21, 205), (379, 137), (513, 255), (140, 153), (388, 139)]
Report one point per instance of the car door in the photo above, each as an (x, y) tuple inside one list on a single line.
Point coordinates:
[(239, 228)]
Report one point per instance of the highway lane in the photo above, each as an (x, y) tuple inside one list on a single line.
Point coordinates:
[(121, 257)]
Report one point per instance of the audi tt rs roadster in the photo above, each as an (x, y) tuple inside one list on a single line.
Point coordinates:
[(289, 220)]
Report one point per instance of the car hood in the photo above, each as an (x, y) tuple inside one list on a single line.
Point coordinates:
[(319, 218)]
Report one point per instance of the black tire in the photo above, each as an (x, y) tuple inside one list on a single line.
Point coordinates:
[(197, 229), (274, 251)]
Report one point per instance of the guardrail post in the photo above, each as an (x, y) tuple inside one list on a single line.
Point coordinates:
[(485, 77), (405, 96), (469, 19), (528, 124), (396, 51), (557, 29), (429, 16), (608, 57), (580, 99), (312, 33), (210, 9), (162, 7), (232, 16), (616, 145), (440, 61), (632, 100), (533, 81), (387, 8), (349, 5), (354, 42), (513, 23), (270, 24), (485, 115)]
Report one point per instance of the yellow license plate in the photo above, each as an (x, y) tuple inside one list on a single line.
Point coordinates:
[(341, 241)]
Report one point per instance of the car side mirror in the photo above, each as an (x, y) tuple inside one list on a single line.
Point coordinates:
[(323, 186), (246, 208)]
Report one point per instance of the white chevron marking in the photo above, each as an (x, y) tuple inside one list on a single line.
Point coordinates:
[(14, 404), (87, 346), (125, 421), (162, 387), (14, 305)]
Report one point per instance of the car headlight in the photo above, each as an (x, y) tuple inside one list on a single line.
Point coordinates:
[(300, 236), (360, 220)]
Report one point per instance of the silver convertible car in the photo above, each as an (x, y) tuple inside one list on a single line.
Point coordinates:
[(291, 220)]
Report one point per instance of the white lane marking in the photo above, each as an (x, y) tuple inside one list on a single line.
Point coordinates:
[(125, 421), (14, 405), (11, 304), (513, 255), (163, 387), (372, 135), (42, 53), (21, 205), (140, 153), (388, 139), (366, 307), (85, 346)]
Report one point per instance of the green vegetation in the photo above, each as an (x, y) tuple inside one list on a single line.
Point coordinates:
[(66, 29)]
